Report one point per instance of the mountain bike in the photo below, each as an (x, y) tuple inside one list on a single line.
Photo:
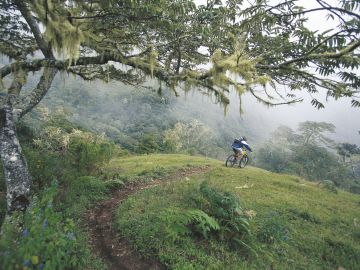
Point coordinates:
[(231, 161)]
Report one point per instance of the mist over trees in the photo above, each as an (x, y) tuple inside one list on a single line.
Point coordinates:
[(310, 153)]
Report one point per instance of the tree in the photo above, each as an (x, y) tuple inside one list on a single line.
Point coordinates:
[(249, 48), (348, 150), (190, 137), (313, 132), (303, 153)]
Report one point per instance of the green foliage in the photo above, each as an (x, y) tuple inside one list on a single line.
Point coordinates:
[(274, 159), (87, 150), (178, 223), (91, 152), (81, 193), (114, 184), (306, 215), (273, 228), (62, 244), (154, 173), (307, 154), (193, 137), (316, 163), (147, 145), (47, 240), (329, 185), (293, 222), (226, 209)]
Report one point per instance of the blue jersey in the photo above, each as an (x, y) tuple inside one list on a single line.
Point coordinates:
[(241, 144)]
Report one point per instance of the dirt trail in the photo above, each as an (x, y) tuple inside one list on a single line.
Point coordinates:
[(106, 241)]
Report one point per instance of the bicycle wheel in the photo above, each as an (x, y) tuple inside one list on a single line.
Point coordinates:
[(230, 161), (243, 161)]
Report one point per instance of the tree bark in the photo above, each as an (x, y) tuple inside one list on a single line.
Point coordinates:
[(17, 177)]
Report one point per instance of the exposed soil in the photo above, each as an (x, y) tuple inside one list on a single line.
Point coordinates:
[(107, 242)]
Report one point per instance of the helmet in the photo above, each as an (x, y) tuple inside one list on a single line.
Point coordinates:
[(243, 138)]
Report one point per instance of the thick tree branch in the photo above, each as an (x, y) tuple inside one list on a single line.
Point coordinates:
[(43, 45), (344, 51), (30, 101), (17, 83), (350, 48)]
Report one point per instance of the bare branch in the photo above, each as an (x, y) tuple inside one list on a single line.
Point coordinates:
[(268, 103)]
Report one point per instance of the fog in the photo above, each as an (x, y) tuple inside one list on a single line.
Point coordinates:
[(108, 105), (340, 113), (257, 121)]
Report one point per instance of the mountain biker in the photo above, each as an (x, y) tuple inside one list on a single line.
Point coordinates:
[(237, 146)]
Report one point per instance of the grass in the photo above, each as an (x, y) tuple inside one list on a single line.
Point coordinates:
[(151, 166), (298, 224), (295, 224)]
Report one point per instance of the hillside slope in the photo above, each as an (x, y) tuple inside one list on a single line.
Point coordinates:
[(179, 212), (294, 224)]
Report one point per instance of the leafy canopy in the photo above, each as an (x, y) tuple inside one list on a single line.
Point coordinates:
[(222, 45)]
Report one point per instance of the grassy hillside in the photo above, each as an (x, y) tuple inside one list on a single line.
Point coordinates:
[(242, 219), (294, 224)]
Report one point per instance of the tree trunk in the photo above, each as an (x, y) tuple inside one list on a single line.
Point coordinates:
[(17, 177)]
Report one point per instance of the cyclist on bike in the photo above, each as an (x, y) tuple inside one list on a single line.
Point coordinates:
[(237, 146)]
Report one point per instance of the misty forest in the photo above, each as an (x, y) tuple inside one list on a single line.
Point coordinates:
[(185, 134)]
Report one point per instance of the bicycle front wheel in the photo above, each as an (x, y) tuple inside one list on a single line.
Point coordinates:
[(243, 161), (230, 161)]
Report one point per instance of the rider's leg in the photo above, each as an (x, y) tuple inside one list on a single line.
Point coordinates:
[(238, 153)]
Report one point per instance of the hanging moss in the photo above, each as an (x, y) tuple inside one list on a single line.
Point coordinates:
[(64, 37), (152, 58)]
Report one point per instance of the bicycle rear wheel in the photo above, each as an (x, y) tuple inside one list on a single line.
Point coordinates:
[(243, 161), (230, 161)]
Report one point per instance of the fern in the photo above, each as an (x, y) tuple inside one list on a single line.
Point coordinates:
[(225, 207), (178, 223)]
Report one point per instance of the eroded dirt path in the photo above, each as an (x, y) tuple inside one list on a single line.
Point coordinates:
[(106, 241)]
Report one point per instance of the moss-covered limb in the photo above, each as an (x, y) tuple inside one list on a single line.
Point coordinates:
[(43, 45), (19, 79), (36, 95), (319, 56)]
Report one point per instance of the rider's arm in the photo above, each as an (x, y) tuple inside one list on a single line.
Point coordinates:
[(246, 145)]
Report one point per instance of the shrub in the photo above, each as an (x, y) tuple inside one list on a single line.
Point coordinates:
[(88, 151), (233, 221), (329, 185), (47, 239), (179, 222)]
